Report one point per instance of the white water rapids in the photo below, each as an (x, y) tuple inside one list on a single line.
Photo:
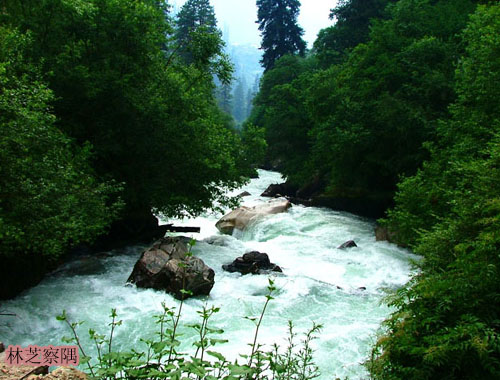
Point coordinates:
[(320, 283)]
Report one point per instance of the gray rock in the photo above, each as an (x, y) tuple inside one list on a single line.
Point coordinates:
[(168, 266), (252, 262)]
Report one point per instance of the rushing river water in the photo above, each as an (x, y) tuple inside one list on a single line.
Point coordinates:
[(320, 283)]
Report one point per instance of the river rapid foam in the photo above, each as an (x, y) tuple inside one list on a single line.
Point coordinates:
[(320, 284)]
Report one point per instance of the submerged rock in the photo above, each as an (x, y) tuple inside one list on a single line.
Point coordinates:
[(252, 262), (279, 190), (242, 216), (347, 244), (168, 266), (244, 194), (83, 266)]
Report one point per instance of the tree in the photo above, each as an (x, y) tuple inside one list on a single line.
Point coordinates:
[(280, 32), (254, 146), (352, 27), (199, 42), (373, 112), (239, 101), (151, 119), (249, 102), (195, 14), (424, 199), (446, 322), (50, 199), (251, 94), (224, 97), (280, 109)]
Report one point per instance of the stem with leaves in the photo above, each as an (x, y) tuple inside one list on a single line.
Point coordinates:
[(72, 326), (271, 288)]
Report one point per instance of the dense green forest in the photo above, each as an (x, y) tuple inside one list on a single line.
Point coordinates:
[(397, 104), (108, 113)]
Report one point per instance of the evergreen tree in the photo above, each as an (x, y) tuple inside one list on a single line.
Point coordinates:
[(248, 103), (239, 103), (195, 14), (199, 41), (225, 98), (280, 32)]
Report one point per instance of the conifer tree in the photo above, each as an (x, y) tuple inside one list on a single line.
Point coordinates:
[(224, 97), (239, 103), (280, 32), (193, 14), (197, 31)]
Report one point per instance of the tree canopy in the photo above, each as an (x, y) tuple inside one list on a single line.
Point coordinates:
[(122, 119), (352, 26), (280, 32)]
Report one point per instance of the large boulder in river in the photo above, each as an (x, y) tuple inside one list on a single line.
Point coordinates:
[(252, 262), (168, 266), (242, 216)]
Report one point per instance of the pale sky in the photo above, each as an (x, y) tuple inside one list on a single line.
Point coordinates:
[(239, 17)]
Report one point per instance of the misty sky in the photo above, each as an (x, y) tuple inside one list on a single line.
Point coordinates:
[(238, 16)]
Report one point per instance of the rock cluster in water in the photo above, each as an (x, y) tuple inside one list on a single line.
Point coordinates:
[(242, 216), (168, 266), (252, 262)]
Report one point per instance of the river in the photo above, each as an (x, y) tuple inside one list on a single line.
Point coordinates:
[(320, 283)]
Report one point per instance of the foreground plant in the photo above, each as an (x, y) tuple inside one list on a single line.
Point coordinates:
[(162, 360)]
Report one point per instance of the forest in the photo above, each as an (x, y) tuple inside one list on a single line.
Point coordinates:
[(111, 113)]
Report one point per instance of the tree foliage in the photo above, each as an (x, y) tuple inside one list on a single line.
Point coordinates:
[(193, 15), (254, 145), (364, 121), (199, 42), (280, 109), (102, 95), (352, 27), (119, 84), (414, 101), (49, 196), (281, 35), (446, 325)]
